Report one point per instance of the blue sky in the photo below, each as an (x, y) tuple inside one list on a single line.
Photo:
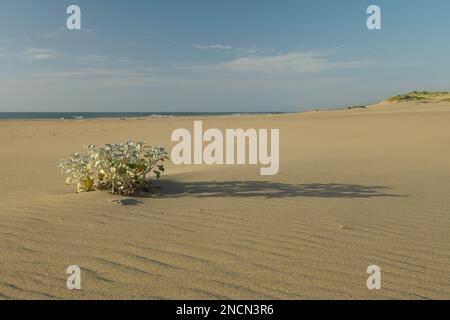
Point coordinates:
[(211, 55)]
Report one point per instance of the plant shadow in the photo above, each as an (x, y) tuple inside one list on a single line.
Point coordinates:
[(265, 189)]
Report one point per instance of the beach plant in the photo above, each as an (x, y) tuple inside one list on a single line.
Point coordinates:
[(79, 171), (120, 168)]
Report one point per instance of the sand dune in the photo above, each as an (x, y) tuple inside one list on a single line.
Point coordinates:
[(355, 188)]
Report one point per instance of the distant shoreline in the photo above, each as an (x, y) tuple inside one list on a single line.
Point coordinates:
[(118, 115), (411, 97)]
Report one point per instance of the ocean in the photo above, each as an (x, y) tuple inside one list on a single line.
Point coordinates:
[(91, 115)]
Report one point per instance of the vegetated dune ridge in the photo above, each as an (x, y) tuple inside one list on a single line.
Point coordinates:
[(355, 188)]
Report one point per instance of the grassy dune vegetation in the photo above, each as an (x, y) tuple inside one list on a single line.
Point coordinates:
[(422, 96)]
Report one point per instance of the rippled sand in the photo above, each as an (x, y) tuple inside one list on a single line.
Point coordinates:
[(355, 188)]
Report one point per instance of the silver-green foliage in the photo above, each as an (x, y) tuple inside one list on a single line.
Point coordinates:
[(120, 168)]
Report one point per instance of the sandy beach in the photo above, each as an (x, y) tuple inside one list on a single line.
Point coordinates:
[(355, 188)]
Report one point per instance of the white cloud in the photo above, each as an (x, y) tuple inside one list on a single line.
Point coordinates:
[(253, 50), (62, 31), (212, 47), (40, 54), (295, 62), (112, 72), (96, 73)]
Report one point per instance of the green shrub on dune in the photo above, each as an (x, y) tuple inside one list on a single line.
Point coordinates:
[(418, 96)]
